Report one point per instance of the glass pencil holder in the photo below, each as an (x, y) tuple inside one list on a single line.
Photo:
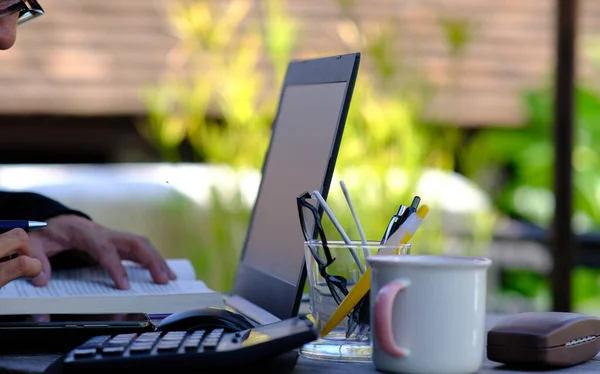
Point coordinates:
[(332, 272)]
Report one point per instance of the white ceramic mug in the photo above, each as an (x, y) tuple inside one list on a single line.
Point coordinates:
[(428, 313)]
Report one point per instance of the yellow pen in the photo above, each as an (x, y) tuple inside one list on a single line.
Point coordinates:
[(363, 285), (357, 292)]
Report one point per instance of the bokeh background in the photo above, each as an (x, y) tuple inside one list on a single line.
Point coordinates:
[(153, 116)]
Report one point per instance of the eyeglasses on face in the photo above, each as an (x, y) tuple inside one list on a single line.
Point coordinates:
[(27, 9)]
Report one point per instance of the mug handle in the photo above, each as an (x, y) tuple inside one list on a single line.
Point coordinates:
[(384, 304)]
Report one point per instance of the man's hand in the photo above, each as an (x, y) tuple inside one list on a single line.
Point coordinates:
[(107, 247), (17, 242)]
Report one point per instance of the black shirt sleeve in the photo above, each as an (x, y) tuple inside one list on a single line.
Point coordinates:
[(32, 207), (36, 207)]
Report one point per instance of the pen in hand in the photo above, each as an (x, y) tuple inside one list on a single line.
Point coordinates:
[(8, 225), (9, 257)]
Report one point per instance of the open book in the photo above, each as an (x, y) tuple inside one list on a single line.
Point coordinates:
[(91, 290)]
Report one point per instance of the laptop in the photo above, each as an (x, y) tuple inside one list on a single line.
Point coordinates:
[(302, 153)]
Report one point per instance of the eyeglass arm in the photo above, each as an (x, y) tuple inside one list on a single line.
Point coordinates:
[(317, 195)]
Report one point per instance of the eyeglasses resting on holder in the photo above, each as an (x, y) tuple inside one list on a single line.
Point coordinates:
[(337, 285), (27, 9)]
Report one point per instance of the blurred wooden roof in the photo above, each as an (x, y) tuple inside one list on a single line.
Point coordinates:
[(89, 57)]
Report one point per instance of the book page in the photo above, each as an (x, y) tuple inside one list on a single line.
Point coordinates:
[(181, 267), (78, 287)]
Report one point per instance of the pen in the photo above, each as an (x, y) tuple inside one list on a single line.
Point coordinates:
[(9, 257), (402, 235), (360, 289), (6, 226), (392, 224), (407, 213), (409, 227), (363, 285)]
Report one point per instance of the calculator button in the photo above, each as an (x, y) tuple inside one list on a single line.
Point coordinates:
[(174, 335), (101, 338), (211, 341), (169, 342), (210, 344), (125, 336), (167, 347), (149, 336), (216, 332), (151, 339), (122, 340), (191, 345), (120, 343), (85, 352), (155, 333), (96, 342), (113, 350), (140, 348), (193, 341)]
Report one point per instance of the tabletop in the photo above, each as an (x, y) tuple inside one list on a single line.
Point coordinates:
[(289, 363)]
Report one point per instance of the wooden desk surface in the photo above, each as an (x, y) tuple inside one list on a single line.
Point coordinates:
[(39, 363)]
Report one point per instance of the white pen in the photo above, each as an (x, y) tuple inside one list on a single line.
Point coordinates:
[(361, 233), (337, 225), (408, 229)]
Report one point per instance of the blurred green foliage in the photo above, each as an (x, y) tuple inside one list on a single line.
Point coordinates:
[(526, 157), (183, 227), (516, 167), (221, 91), (215, 92)]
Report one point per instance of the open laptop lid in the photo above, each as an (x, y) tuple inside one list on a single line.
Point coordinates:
[(305, 140)]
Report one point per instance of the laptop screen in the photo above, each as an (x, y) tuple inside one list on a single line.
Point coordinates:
[(301, 157), (298, 160)]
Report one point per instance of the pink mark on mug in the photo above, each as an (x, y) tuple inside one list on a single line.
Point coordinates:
[(384, 305)]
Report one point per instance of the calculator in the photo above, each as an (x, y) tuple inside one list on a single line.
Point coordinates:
[(189, 351)]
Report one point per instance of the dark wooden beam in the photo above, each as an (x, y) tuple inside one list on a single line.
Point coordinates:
[(562, 238), (70, 139)]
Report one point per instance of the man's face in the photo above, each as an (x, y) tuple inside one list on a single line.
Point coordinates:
[(8, 26)]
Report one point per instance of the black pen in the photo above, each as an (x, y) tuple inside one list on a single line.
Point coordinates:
[(9, 257), (393, 223), (6, 226), (412, 209)]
